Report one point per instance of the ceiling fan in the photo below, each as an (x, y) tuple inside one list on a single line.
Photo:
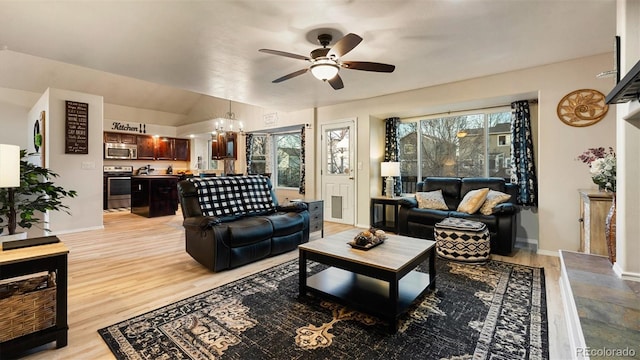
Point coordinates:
[(326, 63)]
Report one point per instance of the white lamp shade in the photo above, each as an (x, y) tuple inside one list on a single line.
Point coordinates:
[(9, 165), (324, 69), (390, 168)]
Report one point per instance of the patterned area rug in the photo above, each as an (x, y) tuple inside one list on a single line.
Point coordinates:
[(491, 311)]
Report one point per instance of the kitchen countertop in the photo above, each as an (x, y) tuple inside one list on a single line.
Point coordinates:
[(162, 176)]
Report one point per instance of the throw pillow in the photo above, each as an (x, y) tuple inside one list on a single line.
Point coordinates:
[(473, 200), (431, 200), (493, 198)]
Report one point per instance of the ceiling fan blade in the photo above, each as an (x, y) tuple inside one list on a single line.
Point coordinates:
[(368, 66), (283, 53), (344, 45), (289, 76), (336, 82)]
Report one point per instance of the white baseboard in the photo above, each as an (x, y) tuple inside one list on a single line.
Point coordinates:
[(547, 252), (101, 227), (625, 275)]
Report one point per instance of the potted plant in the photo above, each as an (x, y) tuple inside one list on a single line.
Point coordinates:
[(36, 194)]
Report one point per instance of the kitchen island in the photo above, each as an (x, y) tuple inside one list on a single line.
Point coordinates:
[(154, 195)]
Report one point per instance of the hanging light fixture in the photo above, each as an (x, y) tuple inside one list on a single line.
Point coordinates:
[(228, 121)]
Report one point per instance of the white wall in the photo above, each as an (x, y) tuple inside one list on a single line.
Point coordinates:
[(559, 174), (79, 172)]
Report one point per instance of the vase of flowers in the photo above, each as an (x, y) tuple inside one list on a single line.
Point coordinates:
[(602, 166)]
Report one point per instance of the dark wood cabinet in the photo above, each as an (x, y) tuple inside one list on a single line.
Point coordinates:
[(146, 147), (164, 148), (182, 149), (224, 146), (231, 146), (154, 195), (121, 138), (152, 148)]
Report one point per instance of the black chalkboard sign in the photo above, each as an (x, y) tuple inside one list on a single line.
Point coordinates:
[(76, 128)]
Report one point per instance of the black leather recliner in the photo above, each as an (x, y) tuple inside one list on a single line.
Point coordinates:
[(420, 223), (224, 242)]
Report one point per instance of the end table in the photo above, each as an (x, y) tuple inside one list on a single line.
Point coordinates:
[(381, 216)]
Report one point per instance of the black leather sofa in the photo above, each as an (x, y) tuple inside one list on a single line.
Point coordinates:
[(232, 221), (416, 222)]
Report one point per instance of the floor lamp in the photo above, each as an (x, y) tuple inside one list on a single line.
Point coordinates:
[(390, 170)]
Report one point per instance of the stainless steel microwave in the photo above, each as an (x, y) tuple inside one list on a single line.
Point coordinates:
[(120, 151)]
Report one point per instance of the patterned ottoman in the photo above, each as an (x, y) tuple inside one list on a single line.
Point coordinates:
[(462, 240)]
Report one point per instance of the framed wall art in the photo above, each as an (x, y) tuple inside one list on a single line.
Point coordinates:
[(582, 107), (76, 139)]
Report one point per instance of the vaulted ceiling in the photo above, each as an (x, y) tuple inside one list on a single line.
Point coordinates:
[(165, 55)]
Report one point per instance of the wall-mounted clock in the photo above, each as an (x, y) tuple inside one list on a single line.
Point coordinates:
[(582, 107)]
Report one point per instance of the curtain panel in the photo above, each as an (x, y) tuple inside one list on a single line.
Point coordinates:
[(392, 150), (523, 168), (269, 155), (249, 151), (302, 189)]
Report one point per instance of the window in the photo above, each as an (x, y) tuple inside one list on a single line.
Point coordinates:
[(258, 155), (287, 151), (504, 140), (466, 144)]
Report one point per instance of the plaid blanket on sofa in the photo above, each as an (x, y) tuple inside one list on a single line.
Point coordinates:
[(233, 196)]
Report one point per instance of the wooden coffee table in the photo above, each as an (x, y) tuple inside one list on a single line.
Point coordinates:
[(381, 281)]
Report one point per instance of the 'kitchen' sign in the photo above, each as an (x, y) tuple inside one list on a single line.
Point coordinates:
[(138, 128)]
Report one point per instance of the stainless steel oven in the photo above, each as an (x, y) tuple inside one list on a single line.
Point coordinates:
[(117, 186)]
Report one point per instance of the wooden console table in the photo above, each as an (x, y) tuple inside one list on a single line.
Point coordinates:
[(32, 260)]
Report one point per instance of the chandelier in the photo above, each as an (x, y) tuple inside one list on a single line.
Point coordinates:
[(227, 121)]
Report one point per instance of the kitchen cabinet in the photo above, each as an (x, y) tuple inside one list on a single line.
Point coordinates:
[(181, 150), (120, 138), (224, 146), (146, 147), (594, 207), (163, 148), (154, 195)]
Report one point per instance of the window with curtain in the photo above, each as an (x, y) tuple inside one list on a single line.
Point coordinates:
[(465, 144), (287, 160)]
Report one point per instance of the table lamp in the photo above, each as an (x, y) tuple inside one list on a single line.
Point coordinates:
[(9, 166), (389, 170)]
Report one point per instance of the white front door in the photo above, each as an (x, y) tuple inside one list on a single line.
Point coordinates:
[(338, 173)]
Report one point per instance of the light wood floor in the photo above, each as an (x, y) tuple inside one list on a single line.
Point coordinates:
[(137, 264)]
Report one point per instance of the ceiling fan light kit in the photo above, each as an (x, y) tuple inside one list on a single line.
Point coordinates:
[(325, 62), (324, 69)]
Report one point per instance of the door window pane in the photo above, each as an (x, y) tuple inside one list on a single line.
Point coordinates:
[(338, 148)]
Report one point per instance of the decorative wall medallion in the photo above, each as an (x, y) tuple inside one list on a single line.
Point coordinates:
[(582, 107)]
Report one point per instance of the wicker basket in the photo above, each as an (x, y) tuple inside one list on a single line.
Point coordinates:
[(27, 306)]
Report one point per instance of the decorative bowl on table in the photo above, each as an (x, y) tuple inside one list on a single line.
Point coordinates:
[(368, 239)]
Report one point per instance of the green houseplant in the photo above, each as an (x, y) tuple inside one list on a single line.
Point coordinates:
[(36, 194)]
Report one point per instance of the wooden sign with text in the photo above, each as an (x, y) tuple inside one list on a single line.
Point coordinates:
[(76, 128)]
